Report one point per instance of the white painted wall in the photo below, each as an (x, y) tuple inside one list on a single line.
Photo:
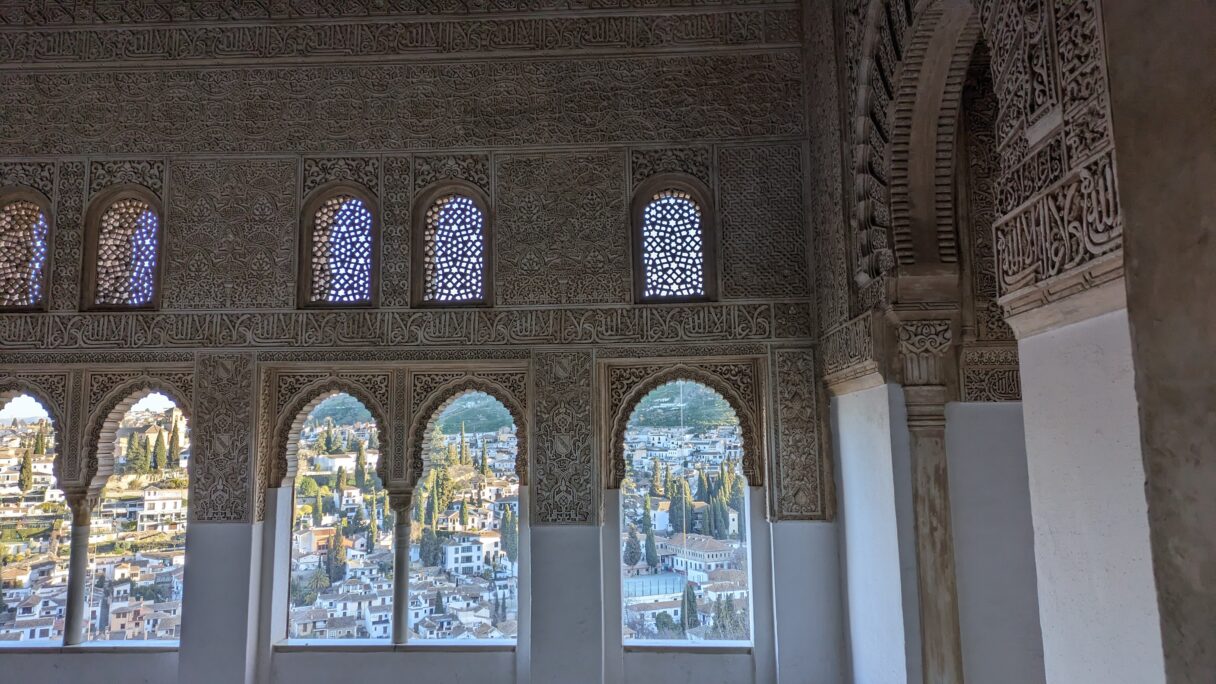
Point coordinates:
[(1097, 599), (567, 618), (862, 428), (806, 587), (993, 544), (686, 668), (111, 665), (220, 605), (325, 666)]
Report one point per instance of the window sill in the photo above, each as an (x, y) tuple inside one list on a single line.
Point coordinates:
[(381, 646), (95, 647), (728, 648)]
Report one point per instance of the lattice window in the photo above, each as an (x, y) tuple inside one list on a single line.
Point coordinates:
[(23, 235), (342, 251), (126, 253), (454, 253), (673, 246)]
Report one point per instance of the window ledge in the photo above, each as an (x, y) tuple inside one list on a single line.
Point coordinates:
[(95, 647), (735, 648), (377, 646)]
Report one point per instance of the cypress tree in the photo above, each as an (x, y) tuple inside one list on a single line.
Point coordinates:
[(435, 444), (666, 490), (680, 513), (633, 550), (174, 459), (689, 617), (360, 466), (485, 458), (465, 458), (510, 534), (137, 455), (655, 474), (317, 514), (159, 451), (464, 515), (430, 551), (652, 550), (647, 523), (452, 457), (341, 478), (40, 441), (25, 479)]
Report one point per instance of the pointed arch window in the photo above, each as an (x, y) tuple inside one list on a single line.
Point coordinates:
[(125, 242), (452, 247), (674, 241), (24, 240), (339, 251)]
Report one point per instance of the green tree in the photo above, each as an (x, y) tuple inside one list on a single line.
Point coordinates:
[(137, 455), (647, 521), (656, 482), (40, 441), (307, 487), (666, 480), (174, 459), (510, 534), (703, 493), (335, 556), (317, 519), (485, 458), (689, 616), (430, 551), (465, 458), (373, 527), (464, 515), (25, 478), (680, 513), (633, 549), (373, 439), (451, 456), (159, 452), (652, 551), (666, 627), (360, 466), (342, 484), (436, 444)]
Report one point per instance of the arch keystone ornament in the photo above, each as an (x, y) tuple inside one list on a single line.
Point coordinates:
[(739, 381)]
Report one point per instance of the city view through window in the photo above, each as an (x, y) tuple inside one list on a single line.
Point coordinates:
[(464, 546), (685, 562), (137, 528)]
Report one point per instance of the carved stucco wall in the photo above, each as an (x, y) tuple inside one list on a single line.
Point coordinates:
[(1057, 224), (556, 113)]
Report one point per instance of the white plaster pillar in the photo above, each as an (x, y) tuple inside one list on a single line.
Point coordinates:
[(401, 567), (220, 606), (1097, 597), (78, 570), (869, 429), (567, 618), (993, 543), (807, 602), (276, 563)]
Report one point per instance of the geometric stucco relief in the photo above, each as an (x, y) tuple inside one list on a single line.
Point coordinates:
[(564, 478), (801, 485), (221, 486)]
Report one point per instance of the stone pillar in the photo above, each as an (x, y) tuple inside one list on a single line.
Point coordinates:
[(78, 569), (400, 503), (925, 349)]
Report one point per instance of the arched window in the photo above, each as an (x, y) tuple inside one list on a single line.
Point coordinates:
[(24, 236), (338, 261), (685, 558), (464, 583), (341, 583), (125, 250), (674, 241), (453, 259), (38, 524), (137, 535)]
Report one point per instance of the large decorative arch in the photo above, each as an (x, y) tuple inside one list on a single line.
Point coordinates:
[(106, 414), (1053, 133), (738, 382), (438, 398), (290, 421)]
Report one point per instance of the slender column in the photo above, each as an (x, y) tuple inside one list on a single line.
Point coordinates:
[(78, 569), (400, 504), (925, 347)]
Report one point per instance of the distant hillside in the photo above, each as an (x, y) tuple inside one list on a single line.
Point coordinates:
[(479, 412), (702, 407), (344, 409)]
